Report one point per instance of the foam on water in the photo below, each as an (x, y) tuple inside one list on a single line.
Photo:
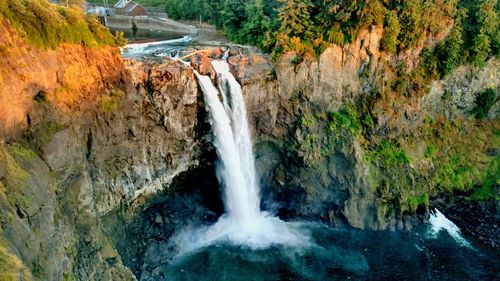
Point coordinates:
[(441, 223), (142, 48)]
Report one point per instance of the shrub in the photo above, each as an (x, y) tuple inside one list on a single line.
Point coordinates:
[(484, 101), (391, 32), (388, 154), (346, 118)]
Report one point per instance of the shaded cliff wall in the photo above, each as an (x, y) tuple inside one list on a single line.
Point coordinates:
[(337, 143), (83, 133)]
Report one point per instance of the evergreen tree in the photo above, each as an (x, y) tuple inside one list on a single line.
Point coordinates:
[(257, 24), (295, 19), (450, 52), (233, 16)]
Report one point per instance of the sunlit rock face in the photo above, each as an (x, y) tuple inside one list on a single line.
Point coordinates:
[(84, 133)]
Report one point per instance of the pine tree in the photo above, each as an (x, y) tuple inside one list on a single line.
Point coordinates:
[(295, 19), (233, 15), (257, 24)]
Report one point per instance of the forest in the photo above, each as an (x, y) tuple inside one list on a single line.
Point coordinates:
[(308, 26)]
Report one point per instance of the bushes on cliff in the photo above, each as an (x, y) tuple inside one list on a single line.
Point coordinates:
[(46, 25), (391, 32), (484, 102)]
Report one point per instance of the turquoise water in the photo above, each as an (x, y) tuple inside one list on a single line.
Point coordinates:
[(341, 255)]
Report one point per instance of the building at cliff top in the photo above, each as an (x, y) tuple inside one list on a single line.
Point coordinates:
[(129, 8)]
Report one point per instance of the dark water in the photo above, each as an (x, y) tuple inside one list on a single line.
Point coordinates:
[(342, 255), (142, 35)]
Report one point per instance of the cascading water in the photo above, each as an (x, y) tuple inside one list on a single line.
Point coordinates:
[(299, 251), (243, 223)]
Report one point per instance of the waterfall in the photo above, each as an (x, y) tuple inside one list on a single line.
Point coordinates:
[(235, 169), (243, 222)]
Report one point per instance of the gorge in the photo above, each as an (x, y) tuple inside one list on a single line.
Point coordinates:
[(348, 164)]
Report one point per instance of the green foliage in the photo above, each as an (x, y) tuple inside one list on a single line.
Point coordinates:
[(297, 60), (461, 156), (46, 25), (346, 118), (320, 133), (414, 202), (456, 173), (449, 53), (295, 18), (111, 101), (484, 101), (492, 180), (388, 154), (391, 32), (308, 26), (430, 151), (14, 175), (22, 151), (368, 121), (308, 120), (254, 30)]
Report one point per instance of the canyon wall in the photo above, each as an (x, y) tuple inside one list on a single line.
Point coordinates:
[(100, 156), (335, 176), (83, 133)]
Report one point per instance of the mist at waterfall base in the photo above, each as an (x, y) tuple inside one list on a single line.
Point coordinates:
[(249, 244), (243, 222)]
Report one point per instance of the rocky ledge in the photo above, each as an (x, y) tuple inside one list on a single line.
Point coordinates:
[(477, 219)]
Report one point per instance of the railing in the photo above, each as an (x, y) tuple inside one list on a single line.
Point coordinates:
[(91, 8)]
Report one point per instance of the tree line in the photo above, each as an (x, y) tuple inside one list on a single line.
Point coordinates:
[(310, 25)]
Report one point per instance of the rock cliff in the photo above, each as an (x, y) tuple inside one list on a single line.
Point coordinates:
[(101, 157), (83, 133)]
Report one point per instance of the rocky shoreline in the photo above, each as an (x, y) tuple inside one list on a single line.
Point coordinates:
[(480, 220)]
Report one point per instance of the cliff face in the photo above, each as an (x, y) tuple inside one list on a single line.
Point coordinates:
[(318, 122), (82, 134), (70, 78), (100, 154)]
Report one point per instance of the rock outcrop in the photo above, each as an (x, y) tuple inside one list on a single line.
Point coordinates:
[(101, 156), (340, 188), (84, 133)]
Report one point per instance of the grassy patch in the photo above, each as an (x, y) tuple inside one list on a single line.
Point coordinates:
[(46, 25), (487, 189), (414, 202), (346, 118), (459, 151), (320, 133), (22, 151), (388, 154), (11, 267), (14, 177), (111, 101), (430, 151)]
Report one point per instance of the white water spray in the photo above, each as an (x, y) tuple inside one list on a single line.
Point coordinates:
[(243, 223), (439, 222)]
